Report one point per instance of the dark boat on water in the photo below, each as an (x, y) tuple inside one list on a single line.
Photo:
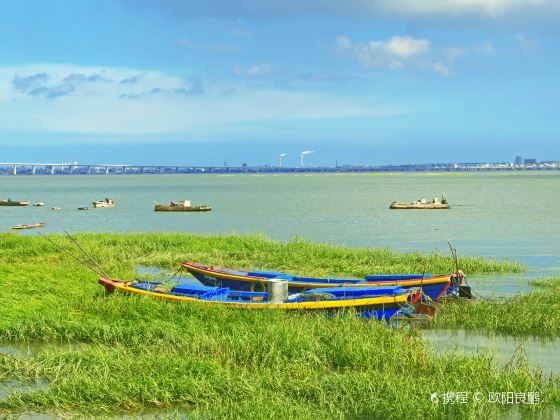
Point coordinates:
[(435, 287), (183, 205), (9, 202)]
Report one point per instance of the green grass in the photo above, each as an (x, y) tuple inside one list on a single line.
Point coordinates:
[(117, 354), (123, 252), (536, 313)]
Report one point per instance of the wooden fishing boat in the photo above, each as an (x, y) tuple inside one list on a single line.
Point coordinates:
[(184, 205), (436, 203), (434, 287), (9, 202), (107, 203), (368, 302), (31, 226)]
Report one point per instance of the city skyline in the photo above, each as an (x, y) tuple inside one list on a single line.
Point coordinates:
[(365, 83)]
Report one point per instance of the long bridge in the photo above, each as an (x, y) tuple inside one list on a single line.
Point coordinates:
[(35, 168)]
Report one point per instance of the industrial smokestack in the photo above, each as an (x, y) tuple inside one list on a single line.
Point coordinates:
[(280, 158), (307, 152)]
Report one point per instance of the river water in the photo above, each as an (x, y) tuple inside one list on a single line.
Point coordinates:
[(494, 215)]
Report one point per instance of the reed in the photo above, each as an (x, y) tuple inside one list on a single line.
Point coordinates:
[(257, 252), (98, 354), (536, 313)]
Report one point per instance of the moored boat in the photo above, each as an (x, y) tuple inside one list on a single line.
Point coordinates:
[(435, 287), (108, 202), (368, 302), (183, 205), (436, 203), (30, 226), (10, 202)]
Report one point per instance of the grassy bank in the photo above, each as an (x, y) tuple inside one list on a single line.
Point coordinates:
[(97, 354), (536, 313), (123, 252)]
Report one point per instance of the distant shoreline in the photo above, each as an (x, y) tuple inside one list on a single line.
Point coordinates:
[(195, 170)]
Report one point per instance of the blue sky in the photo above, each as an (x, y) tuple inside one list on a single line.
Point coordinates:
[(358, 81)]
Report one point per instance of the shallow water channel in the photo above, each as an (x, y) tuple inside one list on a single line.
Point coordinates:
[(542, 352)]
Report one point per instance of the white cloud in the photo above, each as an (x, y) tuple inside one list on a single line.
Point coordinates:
[(437, 66), (398, 52), (152, 103), (393, 53), (484, 9)]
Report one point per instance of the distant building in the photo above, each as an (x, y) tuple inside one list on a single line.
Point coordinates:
[(530, 161), (518, 160)]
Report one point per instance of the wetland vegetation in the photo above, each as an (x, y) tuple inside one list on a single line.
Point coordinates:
[(535, 313), (94, 353)]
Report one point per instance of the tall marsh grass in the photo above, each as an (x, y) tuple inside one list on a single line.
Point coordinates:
[(115, 354), (536, 313)]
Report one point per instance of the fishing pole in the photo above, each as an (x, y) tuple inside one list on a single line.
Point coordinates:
[(71, 255), (86, 254), (454, 256)]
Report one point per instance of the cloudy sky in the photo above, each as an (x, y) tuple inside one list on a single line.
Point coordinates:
[(241, 81)]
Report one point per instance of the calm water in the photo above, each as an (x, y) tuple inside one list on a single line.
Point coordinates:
[(493, 215), (543, 352)]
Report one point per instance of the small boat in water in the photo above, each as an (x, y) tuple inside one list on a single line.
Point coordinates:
[(436, 203), (83, 208), (57, 208), (31, 226), (183, 205), (9, 202), (108, 202), (435, 287), (368, 302), (39, 204)]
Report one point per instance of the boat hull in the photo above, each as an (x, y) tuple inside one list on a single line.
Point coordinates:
[(32, 226), (14, 203), (418, 206), (433, 287), (380, 307), (163, 207)]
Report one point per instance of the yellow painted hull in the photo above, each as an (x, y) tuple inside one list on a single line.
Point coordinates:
[(122, 286)]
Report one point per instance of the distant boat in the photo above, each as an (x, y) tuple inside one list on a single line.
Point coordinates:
[(108, 202), (184, 205), (436, 203), (39, 204), (56, 208), (31, 226), (83, 208), (9, 202)]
